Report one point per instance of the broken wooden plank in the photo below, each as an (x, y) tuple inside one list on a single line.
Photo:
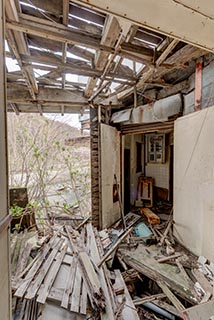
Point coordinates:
[(95, 255), (178, 305), (153, 297), (204, 283), (150, 271), (69, 284), (114, 247), (173, 256), (24, 283), (92, 282), (150, 215), (76, 294), (55, 295), (83, 223), (83, 298), (128, 311), (184, 273), (23, 258), (166, 232), (168, 307), (35, 284), (49, 280)]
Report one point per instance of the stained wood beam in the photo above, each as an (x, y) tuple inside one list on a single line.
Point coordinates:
[(47, 108), (19, 94)]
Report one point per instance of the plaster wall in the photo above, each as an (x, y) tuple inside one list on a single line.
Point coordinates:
[(194, 182)]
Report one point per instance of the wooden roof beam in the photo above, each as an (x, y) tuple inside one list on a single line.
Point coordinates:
[(19, 94), (18, 45), (47, 108), (54, 46), (180, 57), (64, 45), (62, 34), (110, 35), (52, 62)]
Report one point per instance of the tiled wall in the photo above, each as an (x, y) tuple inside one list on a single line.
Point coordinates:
[(160, 173)]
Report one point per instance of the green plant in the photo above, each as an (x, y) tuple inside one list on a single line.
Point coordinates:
[(16, 211)]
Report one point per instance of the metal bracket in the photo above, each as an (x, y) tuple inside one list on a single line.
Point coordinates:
[(4, 223)]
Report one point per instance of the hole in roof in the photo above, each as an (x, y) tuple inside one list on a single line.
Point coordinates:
[(12, 65), (39, 73), (71, 77), (114, 86), (7, 49), (38, 48), (128, 63), (71, 55), (83, 79), (87, 49), (31, 5)]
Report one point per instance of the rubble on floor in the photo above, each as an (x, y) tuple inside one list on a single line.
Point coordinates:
[(76, 272)]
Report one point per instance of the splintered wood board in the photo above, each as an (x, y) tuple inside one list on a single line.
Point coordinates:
[(91, 244), (75, 296), (49, 279), (35, 267), (128, 311), (83, 298), (36, 283), (69, 283)]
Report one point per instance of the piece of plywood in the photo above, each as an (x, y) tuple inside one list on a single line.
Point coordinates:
[(193, 182), (204, 311), (110, 165)]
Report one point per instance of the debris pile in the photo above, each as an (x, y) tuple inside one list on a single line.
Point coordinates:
[(132, 272), (69, 270)]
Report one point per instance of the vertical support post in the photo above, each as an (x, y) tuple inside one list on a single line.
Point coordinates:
[(198, 85), (95, 167), (5, 299)]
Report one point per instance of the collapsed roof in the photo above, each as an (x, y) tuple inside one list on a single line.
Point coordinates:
[(68, 57)]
